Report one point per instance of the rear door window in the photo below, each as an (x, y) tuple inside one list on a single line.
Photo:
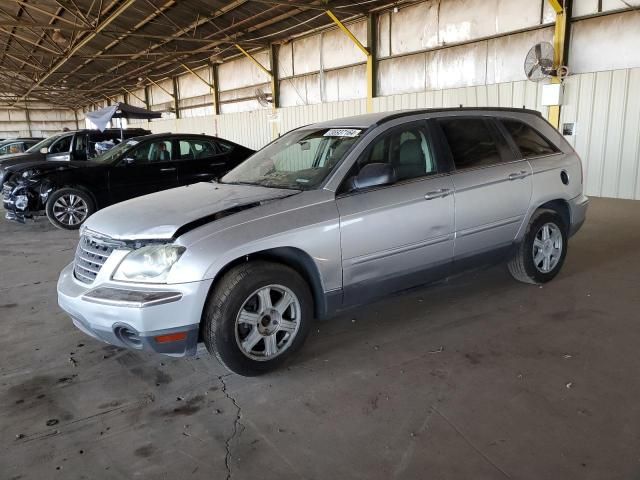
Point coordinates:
[(471, 142), (196, 149), (529, 141), (186, 153), (224, 147)]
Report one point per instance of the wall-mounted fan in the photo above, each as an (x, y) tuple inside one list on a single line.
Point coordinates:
[(538, 64), (263, 98)]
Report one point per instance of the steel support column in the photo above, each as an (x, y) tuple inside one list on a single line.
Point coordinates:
[(28, 118), (275, 86), (147, 102), (216, 89), (560, 47), (363, 49), (372, 63), (176, 101)]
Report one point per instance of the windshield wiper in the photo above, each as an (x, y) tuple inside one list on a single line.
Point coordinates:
[(279, 185), (238, 183)]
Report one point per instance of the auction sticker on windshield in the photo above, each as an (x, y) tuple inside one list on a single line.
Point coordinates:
[(342, 132)]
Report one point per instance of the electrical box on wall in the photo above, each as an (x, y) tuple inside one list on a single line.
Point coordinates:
[(568, 129), (552, 94)]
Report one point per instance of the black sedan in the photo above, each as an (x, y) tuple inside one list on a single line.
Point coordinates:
[(17, 145), (71, 191)]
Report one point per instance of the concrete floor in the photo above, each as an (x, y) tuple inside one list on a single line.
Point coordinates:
[(479, 378)]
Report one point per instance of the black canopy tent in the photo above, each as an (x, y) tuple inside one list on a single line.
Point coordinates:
[(100, 118)]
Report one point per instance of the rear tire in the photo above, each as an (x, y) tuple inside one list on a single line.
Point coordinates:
[(68, 208), (540, 255), (257, 316)]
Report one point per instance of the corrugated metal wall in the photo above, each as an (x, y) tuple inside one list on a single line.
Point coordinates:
[(605, 107), (44, 120), (422, 64)]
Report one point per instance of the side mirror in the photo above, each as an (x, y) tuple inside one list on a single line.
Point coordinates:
[(44, 150), (128, 161), (373, 175)]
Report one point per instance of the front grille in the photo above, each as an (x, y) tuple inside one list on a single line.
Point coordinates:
[(90, 256)]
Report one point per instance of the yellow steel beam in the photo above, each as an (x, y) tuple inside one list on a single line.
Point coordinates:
[(253, 59), (131, 93), (559, 36), (162, 88), (196, 75), (556, 5), (347, 32), (364, 50)]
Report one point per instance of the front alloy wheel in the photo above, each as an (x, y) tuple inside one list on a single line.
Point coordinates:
[(68, 208), (268, 322), (257, 315)]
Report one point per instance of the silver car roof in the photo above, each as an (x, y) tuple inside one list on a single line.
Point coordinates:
[(369, 119)]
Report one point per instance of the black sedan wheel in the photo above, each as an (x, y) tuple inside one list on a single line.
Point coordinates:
[(68, 208)]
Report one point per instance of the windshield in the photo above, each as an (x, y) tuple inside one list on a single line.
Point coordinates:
[(42, 144), (114, 153), (299, 160)]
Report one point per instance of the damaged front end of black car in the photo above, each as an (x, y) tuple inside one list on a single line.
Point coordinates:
[(25, 196)]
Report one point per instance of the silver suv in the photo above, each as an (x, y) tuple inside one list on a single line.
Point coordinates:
[(327, 216)]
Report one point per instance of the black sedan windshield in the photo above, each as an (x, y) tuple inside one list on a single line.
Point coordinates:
[(299, 160), (46, 143)]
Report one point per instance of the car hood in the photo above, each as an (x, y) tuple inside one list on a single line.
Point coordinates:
[(163, 214), (43, 166), (18, 158)]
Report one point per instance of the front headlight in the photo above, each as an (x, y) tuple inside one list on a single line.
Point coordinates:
[(150, 264), (21, 202)]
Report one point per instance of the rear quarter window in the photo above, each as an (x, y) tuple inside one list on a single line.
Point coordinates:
[(528, 140)]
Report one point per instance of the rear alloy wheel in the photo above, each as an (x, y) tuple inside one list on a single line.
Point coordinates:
[(258, 315), (68, 208), (540, 255), (547, 247)]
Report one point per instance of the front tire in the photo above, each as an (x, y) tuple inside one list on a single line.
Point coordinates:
[(257, 316), (68, 208), (540, 255)]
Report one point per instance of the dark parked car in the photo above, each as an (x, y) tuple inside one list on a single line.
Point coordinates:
[(77, 145), (18, 145), (69, 192)]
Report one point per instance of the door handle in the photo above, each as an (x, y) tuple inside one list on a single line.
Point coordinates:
[(217, 164), (173, 169), (517, 175), (443, 192)]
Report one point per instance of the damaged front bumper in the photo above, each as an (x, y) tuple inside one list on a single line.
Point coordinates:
[(19, 202), (161, 318)]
